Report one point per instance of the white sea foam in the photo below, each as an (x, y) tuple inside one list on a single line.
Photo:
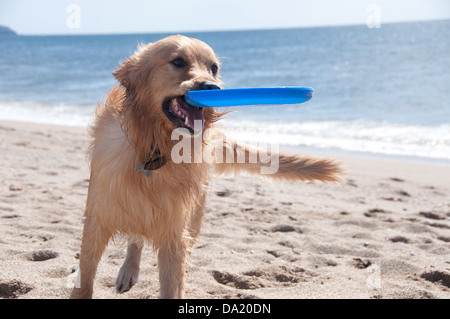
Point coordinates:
[(350, 135), (69, 115), (371, 136)]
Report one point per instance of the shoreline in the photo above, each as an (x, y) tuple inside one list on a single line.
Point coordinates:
[(306, 149), (367, 155), (382, 233)]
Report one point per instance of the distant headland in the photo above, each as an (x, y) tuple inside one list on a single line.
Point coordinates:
[(6, 31)]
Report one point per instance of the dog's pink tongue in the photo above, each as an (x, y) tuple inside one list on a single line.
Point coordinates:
[(193, 115), (195, 120)]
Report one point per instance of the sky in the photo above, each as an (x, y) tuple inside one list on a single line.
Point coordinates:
[(48, 17)]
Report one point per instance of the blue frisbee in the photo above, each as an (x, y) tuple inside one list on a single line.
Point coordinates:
[(249, 96)]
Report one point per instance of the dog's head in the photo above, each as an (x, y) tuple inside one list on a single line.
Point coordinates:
[(156, 78)]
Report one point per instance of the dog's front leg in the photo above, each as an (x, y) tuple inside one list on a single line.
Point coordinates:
[(94, 241), (171, 263)]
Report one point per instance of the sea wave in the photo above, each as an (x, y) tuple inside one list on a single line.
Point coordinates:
[(59, 114), (370, 136), (363, 135)]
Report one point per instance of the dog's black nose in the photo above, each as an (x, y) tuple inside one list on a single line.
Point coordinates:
[(208, 85)]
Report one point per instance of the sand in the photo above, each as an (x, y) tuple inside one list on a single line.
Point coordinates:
[(383, 233)]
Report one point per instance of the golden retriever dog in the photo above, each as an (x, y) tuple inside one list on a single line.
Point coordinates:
[(136, 189)]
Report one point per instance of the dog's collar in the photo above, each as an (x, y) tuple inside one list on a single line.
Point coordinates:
[(155, 162)]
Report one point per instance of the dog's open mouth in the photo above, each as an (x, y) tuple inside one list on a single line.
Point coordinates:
[(182, 114)]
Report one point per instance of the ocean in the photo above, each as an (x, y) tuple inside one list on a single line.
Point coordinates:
[(381, 92)]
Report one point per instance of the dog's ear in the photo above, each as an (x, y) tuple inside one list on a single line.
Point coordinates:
[(130, 71), (127, 73)]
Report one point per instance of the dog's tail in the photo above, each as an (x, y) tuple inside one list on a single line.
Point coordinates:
[(237, 158)]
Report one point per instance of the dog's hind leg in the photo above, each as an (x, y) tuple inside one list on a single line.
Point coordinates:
[(129, 272), (93, 243), (195, 221)]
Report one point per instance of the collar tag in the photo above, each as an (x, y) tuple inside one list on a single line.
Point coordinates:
[(140, 168), (155, 162)]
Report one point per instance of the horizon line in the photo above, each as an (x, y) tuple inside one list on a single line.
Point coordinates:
[(227, 30)]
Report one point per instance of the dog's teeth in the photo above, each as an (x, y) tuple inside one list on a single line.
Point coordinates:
[(186, 121), (175, 106)]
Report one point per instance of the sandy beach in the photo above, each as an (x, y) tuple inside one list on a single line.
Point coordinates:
[(383, 233)]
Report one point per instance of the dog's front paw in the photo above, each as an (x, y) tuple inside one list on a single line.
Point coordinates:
[(78, 293)]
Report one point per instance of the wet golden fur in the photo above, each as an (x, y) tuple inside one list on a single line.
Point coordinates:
[(165, 208)]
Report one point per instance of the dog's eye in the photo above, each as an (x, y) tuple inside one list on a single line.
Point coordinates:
[(179, 63), (214, 69)]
